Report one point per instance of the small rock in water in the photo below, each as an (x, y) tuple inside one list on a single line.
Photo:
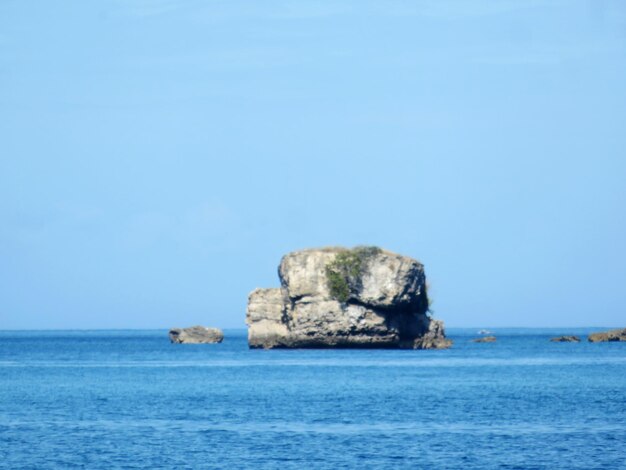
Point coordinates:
[(486, 339), (196, 335), (606, 336), (566, 339)]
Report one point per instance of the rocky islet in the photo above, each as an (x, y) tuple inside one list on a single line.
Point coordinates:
[(363, 297), (618, 335), (196, 335), (566, 339), (486, 339)]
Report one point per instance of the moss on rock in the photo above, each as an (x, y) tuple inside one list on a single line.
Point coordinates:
[(344, 273)]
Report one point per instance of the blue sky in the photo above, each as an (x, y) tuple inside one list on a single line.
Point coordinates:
[(158, 157)]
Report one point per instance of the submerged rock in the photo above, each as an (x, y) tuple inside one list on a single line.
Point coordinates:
[(339, 298), (486, 339), (196, 335), (611, 335), (566, 339)]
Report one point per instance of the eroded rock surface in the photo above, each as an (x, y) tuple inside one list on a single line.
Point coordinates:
[(339, 298), (606, 336), (196, 335)]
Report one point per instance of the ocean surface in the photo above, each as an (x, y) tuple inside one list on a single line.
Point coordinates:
[(130, 399)]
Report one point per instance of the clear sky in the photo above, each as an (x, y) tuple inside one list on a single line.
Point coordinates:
[(157, 157)]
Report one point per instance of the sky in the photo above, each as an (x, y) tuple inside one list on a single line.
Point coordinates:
[(158, 157)]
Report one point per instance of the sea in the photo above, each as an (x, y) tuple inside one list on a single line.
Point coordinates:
[(130, 399)]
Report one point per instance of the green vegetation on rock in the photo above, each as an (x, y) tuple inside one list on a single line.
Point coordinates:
[(345, 272)]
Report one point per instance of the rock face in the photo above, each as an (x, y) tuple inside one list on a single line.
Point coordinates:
[(566, 339), (196, 335), (486, 339), (611, 335), (339, 298)]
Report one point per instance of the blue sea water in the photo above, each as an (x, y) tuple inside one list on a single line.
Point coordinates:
[(129, 399)]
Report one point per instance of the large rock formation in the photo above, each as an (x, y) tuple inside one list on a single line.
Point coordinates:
[(605, 336), (339, 298), (196, 335)]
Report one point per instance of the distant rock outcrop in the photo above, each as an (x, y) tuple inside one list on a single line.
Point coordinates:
[(196, 335), (486, 339), (566, 339), (340, 298), (605, 336)]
